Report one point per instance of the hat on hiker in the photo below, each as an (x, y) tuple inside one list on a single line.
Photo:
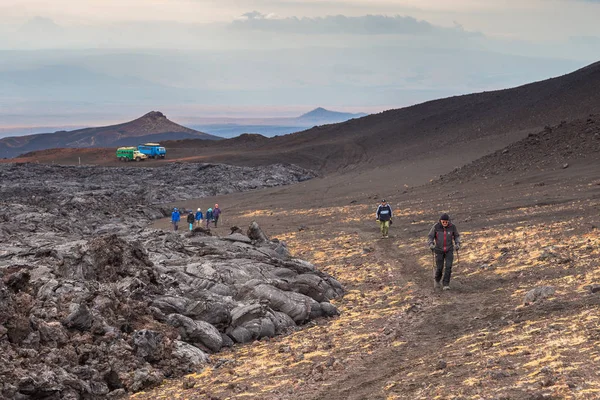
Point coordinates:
[(383, 201), (199, 209), (175, 209), (216, 206), (444, 217)]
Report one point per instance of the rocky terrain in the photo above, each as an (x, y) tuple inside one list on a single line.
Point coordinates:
[(94, 304)]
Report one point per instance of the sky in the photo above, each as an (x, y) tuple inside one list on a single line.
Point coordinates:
[(528, 20), (196, 57)]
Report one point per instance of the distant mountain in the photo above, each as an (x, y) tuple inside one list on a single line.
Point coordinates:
[(153, 126), (321, 116), (269, 127)]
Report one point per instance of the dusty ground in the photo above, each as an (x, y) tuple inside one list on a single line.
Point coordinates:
[(398, 339)]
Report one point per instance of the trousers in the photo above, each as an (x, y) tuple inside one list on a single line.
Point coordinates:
[(384, 226), (444, 260)]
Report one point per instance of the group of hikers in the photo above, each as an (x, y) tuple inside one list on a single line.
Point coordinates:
[(443, 237), (443, 240), (212, 215)]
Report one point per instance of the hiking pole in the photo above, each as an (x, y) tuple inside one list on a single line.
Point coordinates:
[(457, 259), (434, 266)]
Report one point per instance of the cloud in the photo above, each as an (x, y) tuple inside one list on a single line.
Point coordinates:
[(341, 24)]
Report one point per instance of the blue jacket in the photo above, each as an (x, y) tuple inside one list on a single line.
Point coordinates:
[(209, 214), (199, 215), (175, 217)]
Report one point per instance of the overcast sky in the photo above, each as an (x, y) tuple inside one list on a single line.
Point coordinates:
[(347, 54), (524, 19)]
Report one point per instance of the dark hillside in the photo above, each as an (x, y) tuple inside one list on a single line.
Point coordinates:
[(448, 132), (554, 148), (481, 123)]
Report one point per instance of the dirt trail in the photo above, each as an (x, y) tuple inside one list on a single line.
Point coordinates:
[(441, 317)]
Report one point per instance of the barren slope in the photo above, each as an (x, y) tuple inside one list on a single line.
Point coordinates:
[(448, 132), (561, 146), (398, 339)]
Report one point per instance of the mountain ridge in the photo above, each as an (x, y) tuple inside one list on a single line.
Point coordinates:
[(437, 135), (152, 125)]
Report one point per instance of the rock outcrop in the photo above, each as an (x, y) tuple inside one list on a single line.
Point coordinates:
[(93, 304)]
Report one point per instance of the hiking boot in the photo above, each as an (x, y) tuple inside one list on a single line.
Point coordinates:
[(446, 287), (436, 284)]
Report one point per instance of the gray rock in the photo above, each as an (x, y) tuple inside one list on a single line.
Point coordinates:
[(80, 318), (197, 332), (145, 377), (296, 305), (594, 288), (538, 293), (329, 310), (256, 234), (238, 237), (240, 334), (281, 321), (148, 344), (191, 355), (171, 304)]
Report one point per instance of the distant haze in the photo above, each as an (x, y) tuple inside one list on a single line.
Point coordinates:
[(95, 62)]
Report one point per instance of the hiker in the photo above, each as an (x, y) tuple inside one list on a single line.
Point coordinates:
[(190, 220), (384, 217), (175, 217), (216, 213), (199, 217), (209, 216), (443, 240)]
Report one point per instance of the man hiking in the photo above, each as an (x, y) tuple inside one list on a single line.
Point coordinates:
[(190, 220), (209, 216), (443, 240), (199, 217), (175, 217), (384, 217), (216, 214)]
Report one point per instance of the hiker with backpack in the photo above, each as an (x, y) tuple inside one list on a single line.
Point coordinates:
[(209, 216), (216, 214), (199, 217), (444, 238), (175, 217), (190, 220), (384, 217)]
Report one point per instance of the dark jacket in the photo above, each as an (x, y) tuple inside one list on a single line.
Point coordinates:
[(190, 218), (216, 212), (444, 238), (384, 213)]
